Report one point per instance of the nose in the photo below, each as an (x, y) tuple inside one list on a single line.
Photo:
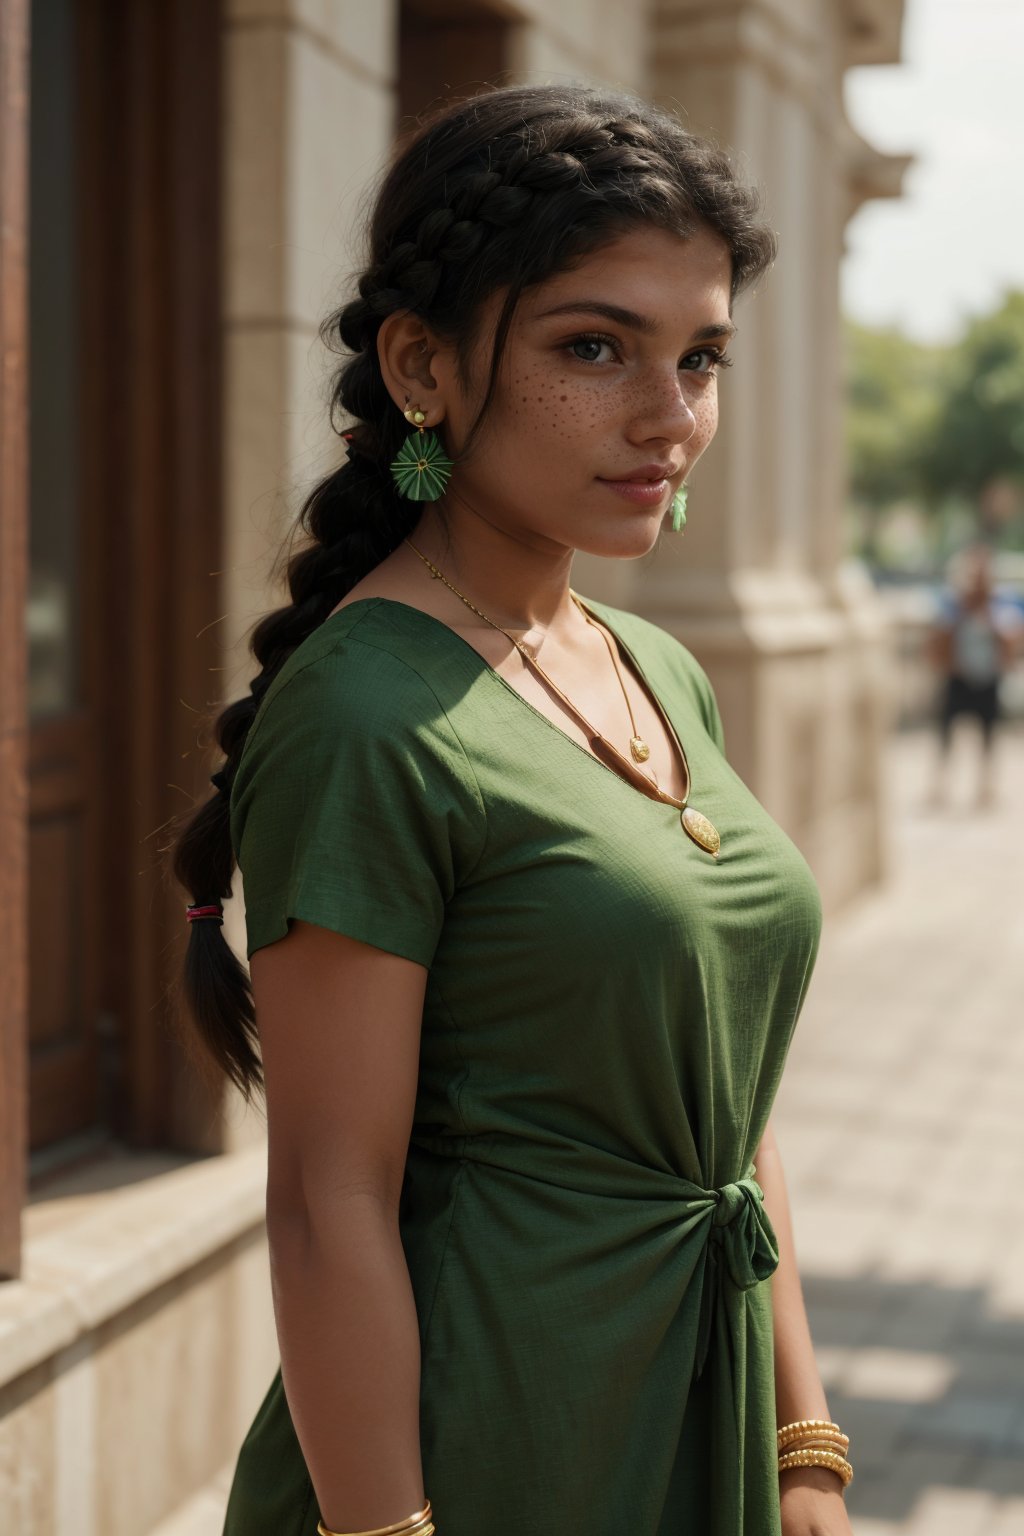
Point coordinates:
[(665, 411)]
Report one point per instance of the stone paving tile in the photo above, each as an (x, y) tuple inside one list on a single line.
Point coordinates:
[(900, 1122), (953, 1512), (1004, 1475), (893, 1491), (1008, 1519), (898, 1375)]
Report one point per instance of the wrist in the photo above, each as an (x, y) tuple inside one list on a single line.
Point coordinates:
[(812, 1453), (818, 1480)]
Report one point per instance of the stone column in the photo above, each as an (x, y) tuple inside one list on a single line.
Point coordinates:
[(755, 587), (310, 115)]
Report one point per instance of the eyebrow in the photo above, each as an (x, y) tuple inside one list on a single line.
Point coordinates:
[(634, 322)]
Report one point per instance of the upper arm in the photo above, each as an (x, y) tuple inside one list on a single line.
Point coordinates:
[(354, 815), (354, 806), (767, 1142), (339, 1027)]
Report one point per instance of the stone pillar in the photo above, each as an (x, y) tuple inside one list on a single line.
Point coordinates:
[(756, 586), (310, 115)]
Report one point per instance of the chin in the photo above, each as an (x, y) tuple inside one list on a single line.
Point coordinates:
[(630, 541)]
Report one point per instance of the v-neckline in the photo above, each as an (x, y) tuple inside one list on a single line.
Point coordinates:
[(486, 666)]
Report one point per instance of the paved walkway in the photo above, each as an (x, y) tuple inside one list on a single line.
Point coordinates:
[(901, 1122)]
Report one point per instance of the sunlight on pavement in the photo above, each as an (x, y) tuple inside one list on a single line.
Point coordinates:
[(899, 1118)]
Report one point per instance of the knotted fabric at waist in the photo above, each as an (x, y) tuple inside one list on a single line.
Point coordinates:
[(730, 1221), (742, 1246)]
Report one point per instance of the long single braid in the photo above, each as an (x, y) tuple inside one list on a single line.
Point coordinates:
[(497, 193)]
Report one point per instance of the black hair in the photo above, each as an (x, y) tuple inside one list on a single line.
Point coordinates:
[(497, 193)]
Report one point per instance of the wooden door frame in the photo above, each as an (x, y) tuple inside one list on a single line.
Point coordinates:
[(152, 500), (13, 643)]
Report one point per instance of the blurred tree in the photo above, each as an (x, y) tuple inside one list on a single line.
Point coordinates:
[(975, 445), (894, 391)]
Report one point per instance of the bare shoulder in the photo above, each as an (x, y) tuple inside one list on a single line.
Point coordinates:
[(391, 581), (414, 590)]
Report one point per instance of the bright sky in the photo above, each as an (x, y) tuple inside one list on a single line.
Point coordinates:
[(955, 242)]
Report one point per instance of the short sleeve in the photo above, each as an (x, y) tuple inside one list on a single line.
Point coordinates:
[(708, 702), (713, 719), (354, 805)]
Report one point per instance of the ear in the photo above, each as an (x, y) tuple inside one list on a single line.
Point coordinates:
[(414, 365)]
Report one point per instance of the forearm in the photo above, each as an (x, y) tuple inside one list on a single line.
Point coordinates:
[(350, 1360), (799, 1393)]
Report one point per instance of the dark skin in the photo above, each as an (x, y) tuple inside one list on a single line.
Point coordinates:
[(586, 398)]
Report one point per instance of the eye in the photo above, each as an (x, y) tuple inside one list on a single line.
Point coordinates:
[(716, 359), (587, 349)]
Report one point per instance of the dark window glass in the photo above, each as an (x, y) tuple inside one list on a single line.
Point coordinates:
[(53, 595)]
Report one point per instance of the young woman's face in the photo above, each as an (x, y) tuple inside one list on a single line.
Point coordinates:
[(607, 395)]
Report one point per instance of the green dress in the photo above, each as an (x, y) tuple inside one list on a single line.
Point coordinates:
[(608, 1010)]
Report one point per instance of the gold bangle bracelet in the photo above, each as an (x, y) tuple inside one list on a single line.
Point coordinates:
[(842, 1470), (830, 1452), (828, 1459), (825, 1458), (808, 1424), (424, 1528), (801, 1436), (798, 1434), (412, 1525)]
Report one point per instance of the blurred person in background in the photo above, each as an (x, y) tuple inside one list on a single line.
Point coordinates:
[(974, 640)]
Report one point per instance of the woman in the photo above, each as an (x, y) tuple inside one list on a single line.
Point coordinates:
[(521, 1018)]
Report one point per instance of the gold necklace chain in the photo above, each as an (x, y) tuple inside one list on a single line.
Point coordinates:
[(639, 748), (694, 823)]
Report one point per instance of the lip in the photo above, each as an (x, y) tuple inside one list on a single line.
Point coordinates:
[(645, 487), (644, 472)]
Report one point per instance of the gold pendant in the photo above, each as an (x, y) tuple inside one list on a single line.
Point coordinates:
[(639, 748), (701, 830)]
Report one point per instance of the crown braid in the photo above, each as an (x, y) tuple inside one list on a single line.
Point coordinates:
[(573, 155), (493, 194)]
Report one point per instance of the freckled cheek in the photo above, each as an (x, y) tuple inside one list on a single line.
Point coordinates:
[(555, 409), (705, 414)]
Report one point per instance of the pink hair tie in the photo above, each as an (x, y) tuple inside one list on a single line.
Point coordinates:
[(214, 909)]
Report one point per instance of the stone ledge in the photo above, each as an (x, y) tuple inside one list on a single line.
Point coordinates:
[(203, 1514), (103, 1250)]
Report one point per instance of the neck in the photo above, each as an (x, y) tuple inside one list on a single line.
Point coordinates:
[(515, 579)]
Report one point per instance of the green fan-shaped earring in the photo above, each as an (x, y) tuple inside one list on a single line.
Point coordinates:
[(679, 510), (421, 467)]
